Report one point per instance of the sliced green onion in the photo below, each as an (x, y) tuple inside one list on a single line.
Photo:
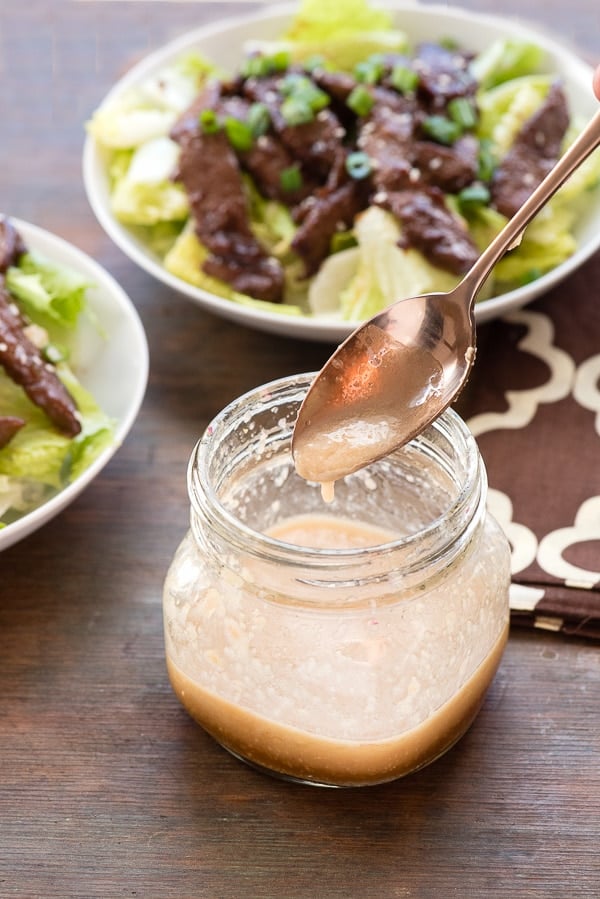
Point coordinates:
[(441, 129), (301, 88), (53, 354), (259, 119), (486, 160), (316, 61), (404, 79), (360, 100), (472, 196), (296, 111), (358, 165), (239, 134), (290, 84), (279, 61), (291, 178), (370, 70), (208, 121), (462, 111), (256, 66)]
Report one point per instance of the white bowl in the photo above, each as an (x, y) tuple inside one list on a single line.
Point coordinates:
[(223, 42), (112, 365)]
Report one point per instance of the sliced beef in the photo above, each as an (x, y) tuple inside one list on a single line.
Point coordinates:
[(316, 143), (443, 74), (25, 365), (532, 155), (429, 226), (339, 85), (209, 171), (331, 211), (267, 158), (9, 425), (11, 245), (387, 138), (449, 168)]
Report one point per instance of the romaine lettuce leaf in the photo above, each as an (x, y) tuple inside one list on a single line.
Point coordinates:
[(320, 20), (144, 194), (149, 110), (504, 60), (385, 272), (52, 290), (505, 109), (39, 452)]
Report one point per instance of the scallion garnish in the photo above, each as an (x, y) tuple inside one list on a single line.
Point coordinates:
[(208, 121), (358, 165), (441, 129), (256, 66), (316, 61), (472, 196), (486, 160), (370, 70), (296, 111), (291, 178), (301, 88), (259, 119), (360, 100), (405, 80), (462, 111), (53, 354), (239, 134)]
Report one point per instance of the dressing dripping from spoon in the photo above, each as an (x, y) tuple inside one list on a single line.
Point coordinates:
[(396, 373)]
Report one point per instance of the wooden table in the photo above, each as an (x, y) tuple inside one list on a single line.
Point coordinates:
[(106, 786)]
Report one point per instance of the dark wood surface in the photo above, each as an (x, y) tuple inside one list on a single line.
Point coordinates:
[(106, 786)]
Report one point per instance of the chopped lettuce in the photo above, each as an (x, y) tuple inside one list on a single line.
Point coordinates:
[(384, 271), (39, 459), (149, 110), (144, 194), (56, 292), (320, 20), (504, 60), (546, 243), (505, 109), (342, 33)]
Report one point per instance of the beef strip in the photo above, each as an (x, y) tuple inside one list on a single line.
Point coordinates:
[(11, 245), (210, 173), (316, 144), (443, 75), (9, 425), (449, 168), (25, 365), (267, 159), (387, 138), (332, 210), (534, 152), (429, 226)]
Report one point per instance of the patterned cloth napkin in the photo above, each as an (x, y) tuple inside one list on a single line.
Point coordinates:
[(533, 403)]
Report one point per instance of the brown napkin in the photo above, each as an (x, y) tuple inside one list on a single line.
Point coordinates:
[(533, 403)]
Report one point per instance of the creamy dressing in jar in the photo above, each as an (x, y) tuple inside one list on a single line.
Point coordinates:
[(340, 645)]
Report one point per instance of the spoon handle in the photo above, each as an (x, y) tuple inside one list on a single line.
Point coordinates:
[(579, 150)]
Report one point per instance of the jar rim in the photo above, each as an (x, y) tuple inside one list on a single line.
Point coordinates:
[(205, 501)]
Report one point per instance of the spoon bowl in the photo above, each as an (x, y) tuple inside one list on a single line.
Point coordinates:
[(397, 372)]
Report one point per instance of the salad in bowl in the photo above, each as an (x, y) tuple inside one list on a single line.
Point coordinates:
[(73, 370), (346, 157)]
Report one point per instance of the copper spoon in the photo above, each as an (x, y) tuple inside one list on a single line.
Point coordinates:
[(398, 371)]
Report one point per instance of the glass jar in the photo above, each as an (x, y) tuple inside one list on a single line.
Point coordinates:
[(335, 664)]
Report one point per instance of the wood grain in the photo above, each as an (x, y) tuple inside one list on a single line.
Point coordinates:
[(107, 789)]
